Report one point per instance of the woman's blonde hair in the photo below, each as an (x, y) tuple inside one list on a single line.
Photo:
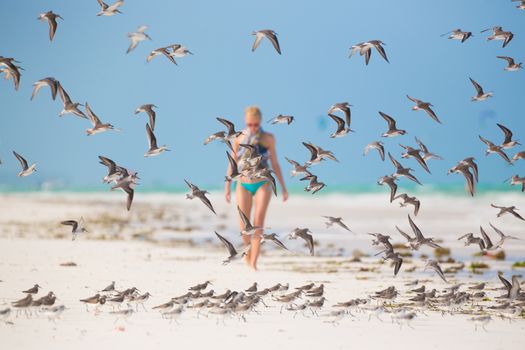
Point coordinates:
[(253, 111)]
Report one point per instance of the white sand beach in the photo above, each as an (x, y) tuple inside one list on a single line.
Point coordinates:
[(166, 244)]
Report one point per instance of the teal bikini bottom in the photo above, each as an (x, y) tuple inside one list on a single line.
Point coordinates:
[(253, 187)]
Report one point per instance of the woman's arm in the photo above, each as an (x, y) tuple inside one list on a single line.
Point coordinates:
[(275, 166), (227, 184)]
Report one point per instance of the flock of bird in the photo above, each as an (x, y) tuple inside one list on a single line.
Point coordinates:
[(308, 300), (239, 303)]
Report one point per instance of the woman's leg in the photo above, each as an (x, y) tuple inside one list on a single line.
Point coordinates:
[(262, 199), (244, 201)]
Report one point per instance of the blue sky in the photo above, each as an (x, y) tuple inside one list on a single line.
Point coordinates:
[(88, 57)]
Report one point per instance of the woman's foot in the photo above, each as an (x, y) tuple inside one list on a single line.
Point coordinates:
[(247, 259)]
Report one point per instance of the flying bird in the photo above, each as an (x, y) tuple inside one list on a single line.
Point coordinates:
[(492, 148), (508, 142), (98, 126), (198, 193), (153, 150), (268, 34), (425, 106), (304, 234), (365, 48), (512, 66), (51, 82), (458, 34), (109, 10), (480, 94), (507, 210), (282, 119), (392, 129), (77, 227), (26, 169), (137, 37), (378, 145), (409, 200), (148, 109), (233, 254), (391, 182), (499, 34), (51, 19), (69, 107)]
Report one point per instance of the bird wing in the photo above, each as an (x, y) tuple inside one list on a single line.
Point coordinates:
[(391, 122), (506, 283), (71, 223), (52, 26), (506, 132), (486, 238), (312, 150), (228, 124), (394, 161), (478, 87), (273, 38), (470, 181), (416, 229), (92, 116), (229, 246), (404, 234), (207, 202), (63, 94), (340, 122), (421, 145), (152, 140), (244, 218), (258, 38), (433, 115), (22, 161), (381, 51), (233, 164)]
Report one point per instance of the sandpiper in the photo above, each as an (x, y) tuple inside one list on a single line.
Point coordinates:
[(434, 265), (409, 200), (297, 168), (231, 134), (198, 193), (51, 19), (221, 136), (392, 130), (337, 221), (282, 119), (480, 94), (94, 300), (77, 227), (137, 37), (231, 250), (426, 153), (268, 34), (512, 66), (248, 229), (314, 185), (318, 154), (26, 169), (11, 70), (411, 152), (425, 106), (503, 237), (343, 107), (153, 150), (162, 51), (365, 48), (464, 169), (508, 142), (49, 81), (126, 184), (419, 240), (402, 171), (305, 234), (109, 10), (233, 169), (110, 287), (510, 210), (391, 182), (499, 34), (98, 126), (458, 34), (470, 239), (492, 148), (32, 290), (69, 106), (148, 109), (516, 180), (378, 145), (274, 238)]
